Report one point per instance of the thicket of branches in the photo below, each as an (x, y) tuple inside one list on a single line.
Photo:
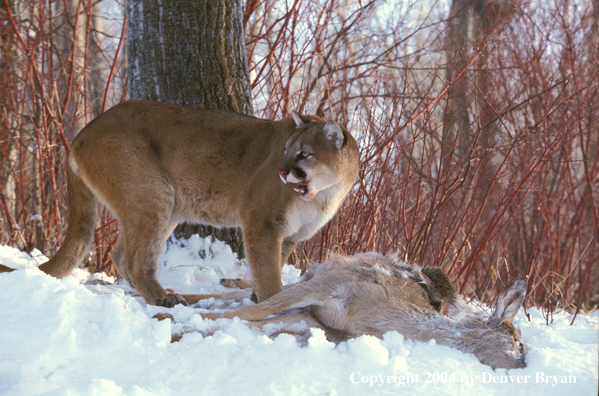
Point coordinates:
[(477, 119)]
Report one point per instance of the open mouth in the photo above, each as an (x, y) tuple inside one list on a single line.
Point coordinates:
[(305, 192), (302, 188), (301, 185)]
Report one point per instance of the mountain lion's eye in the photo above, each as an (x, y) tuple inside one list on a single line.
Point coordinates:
[(302, 155)]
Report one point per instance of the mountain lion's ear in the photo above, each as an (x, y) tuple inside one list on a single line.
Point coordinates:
[(333, 133), (299, 119)]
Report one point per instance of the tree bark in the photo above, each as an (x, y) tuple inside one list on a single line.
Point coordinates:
[(97, 63), (478, 18), (192, 53), (486, 15), (9, 54), (70, 43), (456, 125)]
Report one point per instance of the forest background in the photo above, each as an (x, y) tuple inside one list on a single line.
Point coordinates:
[(478, 122)]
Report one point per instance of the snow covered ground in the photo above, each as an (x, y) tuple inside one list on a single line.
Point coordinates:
[(63, 337)]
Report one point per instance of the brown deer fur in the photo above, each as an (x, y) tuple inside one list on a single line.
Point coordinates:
[(373, 294)]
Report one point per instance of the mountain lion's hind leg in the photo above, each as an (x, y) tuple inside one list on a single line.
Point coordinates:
[(144, 233), (118, 259), (144, 239)]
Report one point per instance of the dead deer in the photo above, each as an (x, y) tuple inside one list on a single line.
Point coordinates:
[(373, 294)]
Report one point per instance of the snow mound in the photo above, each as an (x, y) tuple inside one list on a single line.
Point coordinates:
[(63, 337)]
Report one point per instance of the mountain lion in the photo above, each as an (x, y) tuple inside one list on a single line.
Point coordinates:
[(156, 164)]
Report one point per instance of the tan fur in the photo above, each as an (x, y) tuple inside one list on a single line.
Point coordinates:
[(156, 164), (373, 294)]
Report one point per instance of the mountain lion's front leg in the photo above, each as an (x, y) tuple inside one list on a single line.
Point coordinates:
[(263, 251), (286, 251)]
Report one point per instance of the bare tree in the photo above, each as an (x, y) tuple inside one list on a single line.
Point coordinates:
[(514, 95), (97, 80), (190, 53), (457, 120), (470, 24)]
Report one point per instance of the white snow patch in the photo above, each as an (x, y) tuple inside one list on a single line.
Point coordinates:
[(61, 337)]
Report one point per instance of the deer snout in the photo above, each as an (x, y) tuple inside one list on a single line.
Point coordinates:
[(283, 175)]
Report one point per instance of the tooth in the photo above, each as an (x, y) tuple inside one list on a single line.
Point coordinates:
[(297, 190), (283, 179)]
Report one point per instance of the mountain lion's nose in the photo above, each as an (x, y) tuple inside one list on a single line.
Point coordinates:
[(283, 174)]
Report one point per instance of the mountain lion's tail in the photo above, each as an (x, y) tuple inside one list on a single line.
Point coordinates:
[(83, 212)]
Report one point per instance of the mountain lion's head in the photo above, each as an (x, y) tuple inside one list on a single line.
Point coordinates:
[(318, 155)]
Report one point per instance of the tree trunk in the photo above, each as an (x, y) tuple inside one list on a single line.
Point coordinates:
[(486, 15), (477, 18), (9, 54), (456, 126), (97, 63), (190, 53), (71, 43)]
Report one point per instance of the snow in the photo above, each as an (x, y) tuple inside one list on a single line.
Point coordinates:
[(64, 337)]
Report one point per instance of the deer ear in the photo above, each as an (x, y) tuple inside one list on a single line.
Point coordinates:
[(333, 133), (508, 303), (299, 119)]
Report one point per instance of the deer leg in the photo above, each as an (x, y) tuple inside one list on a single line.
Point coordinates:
[(239, 283), (235, 295), (299, 295)]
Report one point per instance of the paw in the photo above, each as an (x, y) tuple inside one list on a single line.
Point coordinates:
[(170, 300)]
